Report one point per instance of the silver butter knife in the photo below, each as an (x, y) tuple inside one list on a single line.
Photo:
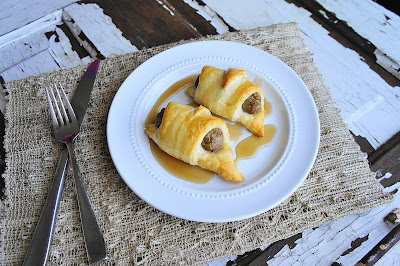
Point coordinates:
[(40, 244)]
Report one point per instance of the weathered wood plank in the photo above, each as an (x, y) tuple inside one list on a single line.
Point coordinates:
[(42, 62), (346, 36), (204, 12), (389, 162), (42, 52), (382, 248), (366, 101), (98, 28), (199, 18), (374, 23), (62, 52), (385, 148), (205, 24), (19, 51), (17, 14), (333, 242), (45, 23), (150, 23)]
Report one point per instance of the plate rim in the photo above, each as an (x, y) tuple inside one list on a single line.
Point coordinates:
[(209, 43)]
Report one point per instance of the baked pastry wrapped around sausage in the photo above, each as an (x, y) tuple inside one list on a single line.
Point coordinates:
[(231, 95), (196, 137)]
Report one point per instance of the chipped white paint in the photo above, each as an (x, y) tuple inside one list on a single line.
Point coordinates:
[(17, 14), (324, 14), (42, 62), (209, 15), (75, 30), (18, 51), (25, 46), (34, 54), (373, 22), (46, 23), (364, 110), (326, 244), (62, 51), (352, 83), (99, 29), (165, 7), (367, 103), (388, 64), (386, 176), (25, 50)]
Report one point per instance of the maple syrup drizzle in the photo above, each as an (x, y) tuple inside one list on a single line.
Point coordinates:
[(175, 88), (179, 168), (247, 148), (174, 166), (267, 108), (235, 131)]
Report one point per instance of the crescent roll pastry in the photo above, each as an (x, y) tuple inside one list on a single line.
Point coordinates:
[(231, 95), (196, 137)]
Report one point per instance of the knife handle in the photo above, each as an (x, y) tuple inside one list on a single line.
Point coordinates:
[(94, 241), (40, 244)]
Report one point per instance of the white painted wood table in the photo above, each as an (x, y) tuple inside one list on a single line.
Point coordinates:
[(355, 45)]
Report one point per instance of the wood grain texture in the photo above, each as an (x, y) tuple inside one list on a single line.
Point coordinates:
[(98, 28), (151, 23), (360, 92), (347, 36), (389, 162), (384, 161), (17, 14), (374, 23), (155, 22)]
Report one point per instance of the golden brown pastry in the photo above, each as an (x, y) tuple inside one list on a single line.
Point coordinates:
[(231, 95), (194, 136)]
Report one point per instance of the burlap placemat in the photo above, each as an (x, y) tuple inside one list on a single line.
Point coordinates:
[(340, 183)]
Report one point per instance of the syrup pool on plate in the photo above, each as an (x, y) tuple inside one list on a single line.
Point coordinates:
[(174, 166), (247, 148)]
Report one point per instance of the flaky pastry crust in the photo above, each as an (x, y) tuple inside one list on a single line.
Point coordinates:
[(225, 92), (181, 132)]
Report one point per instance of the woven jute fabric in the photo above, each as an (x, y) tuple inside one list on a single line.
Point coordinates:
[(339, 184)]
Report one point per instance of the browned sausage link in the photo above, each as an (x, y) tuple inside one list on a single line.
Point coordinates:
[(159, 117), (213, 140), (252, 105), (196, 84)]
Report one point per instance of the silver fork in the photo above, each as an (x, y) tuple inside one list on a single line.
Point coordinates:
[(66, 130)]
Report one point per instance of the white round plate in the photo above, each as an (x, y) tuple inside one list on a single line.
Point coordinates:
[(271, 177)]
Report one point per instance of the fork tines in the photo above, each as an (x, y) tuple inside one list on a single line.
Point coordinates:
[(57, 103)]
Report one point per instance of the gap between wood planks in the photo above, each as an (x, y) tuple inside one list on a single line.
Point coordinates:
[(366, 53), (386, 156), (340, 31), (325, 244), (390, 4), (174, 12)]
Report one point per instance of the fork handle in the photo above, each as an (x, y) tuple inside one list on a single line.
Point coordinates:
[(40, 244), (95, 245)]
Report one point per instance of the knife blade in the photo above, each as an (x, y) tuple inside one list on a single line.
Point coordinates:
[(41, 241), (80, 100)]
